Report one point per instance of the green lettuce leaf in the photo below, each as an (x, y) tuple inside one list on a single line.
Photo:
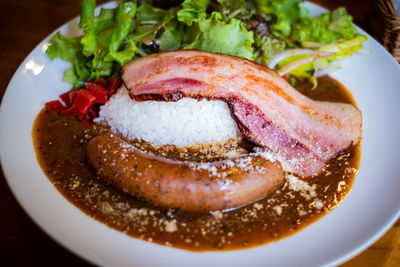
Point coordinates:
[(86, 23), (82, 67), (103, 27), (193, 11), (200, 5), (71, 77), (104, 21), (123, 56), (150, 15), (218, 36), (287, 11), (266, 48), (240, 9), (102, 49), (256, 30), (146, 33), (63, 47), (123, 20), (325, 29), (171, 38), (232, 5), (85, 71), (103, 69)]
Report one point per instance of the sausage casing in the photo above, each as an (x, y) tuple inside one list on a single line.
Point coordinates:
[(188, 186)]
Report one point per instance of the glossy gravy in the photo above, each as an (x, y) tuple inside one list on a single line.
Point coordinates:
[(60, 144)]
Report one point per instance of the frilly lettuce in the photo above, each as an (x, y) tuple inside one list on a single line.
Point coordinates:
[(268, 47), (152, 20), (123, 20), (240, 9), (86, 23), (287, 11), (147, 14), (63, 47), (251, 29), (172, 37), (193, 11), (218, 36), (103, 47), (325, 29)]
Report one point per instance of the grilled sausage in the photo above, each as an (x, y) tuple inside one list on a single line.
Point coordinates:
[(188, 186)]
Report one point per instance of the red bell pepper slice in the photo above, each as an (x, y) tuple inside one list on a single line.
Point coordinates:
[(83, 101), (101, 94), (114, 85), (89, 85), (95, 87), (68, 111), (72, 95), (54, 105), (68, 97), (101, 81), (94, 111), (65, 98)]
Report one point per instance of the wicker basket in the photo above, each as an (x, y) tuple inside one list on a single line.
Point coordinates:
[(385, 26)]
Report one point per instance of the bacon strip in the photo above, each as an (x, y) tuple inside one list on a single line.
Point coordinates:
[(302, 132)]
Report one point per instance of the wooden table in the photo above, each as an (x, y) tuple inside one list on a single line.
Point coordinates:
[(23, 24)]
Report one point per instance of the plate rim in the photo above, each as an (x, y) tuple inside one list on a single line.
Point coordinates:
[(374, 237)]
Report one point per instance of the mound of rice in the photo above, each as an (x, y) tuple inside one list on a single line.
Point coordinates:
[(182, 123)]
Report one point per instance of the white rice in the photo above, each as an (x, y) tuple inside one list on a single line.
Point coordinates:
[(182, 123)]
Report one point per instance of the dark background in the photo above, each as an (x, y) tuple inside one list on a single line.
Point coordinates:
[(23, 24)]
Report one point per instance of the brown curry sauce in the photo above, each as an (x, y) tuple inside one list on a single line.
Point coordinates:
[(60, 144)]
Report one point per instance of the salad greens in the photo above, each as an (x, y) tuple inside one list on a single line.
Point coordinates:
[(193, 11), (88, 41), (287, 12), (257, 30), (325, 29), (216, 35), (123, 19)]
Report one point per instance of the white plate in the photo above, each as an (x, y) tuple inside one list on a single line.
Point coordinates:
[(371, 208)]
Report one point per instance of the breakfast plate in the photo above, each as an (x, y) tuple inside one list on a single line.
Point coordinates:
[(365, 214)]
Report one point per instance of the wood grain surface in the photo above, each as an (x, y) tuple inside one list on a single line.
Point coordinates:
[(23, 24)]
